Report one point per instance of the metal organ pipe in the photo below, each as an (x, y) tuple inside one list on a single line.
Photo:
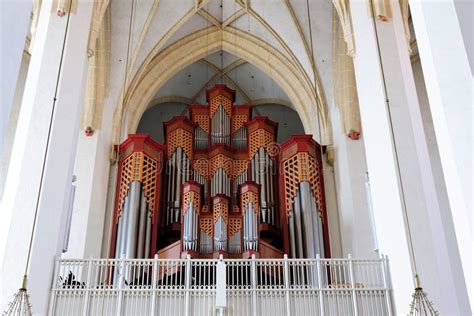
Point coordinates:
[(291, 223), (178, 173), (148, 236), (239, 140), (179, 157), (220, 235), (119, 238), (250, 229), (131, 247), (201, 140), (307, 210), (123, 235), (298, 227), (220, 124), (142, 227), (305, 225)]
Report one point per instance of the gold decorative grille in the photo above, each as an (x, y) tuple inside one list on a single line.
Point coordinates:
[(249, 197), (205, 224), (258, 139), (191, 196), (220, 101), (202, 167), (179, 138), (142, 168), (301, 167), (239, 167), (220, 210), (149, 176), (238, 121), (202, 121), (220, 161), (235, 224)]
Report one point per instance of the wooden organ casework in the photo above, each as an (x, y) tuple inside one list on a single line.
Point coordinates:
[(219, 185)]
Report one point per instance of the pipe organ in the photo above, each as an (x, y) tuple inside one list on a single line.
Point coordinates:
[(219, 185)]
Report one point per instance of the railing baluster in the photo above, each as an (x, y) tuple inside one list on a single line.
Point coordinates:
[(286, 279), (386, 284), (320, 285), (353, 289), (121, 273), (88, 288), (187, 285), (254, 285), (154, 281)]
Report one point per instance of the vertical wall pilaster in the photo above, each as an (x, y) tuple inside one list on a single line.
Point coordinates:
[(403, 187), (448, 80), (31, 171)]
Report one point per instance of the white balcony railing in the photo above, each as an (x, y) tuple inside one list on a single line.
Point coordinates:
[(221, 287)]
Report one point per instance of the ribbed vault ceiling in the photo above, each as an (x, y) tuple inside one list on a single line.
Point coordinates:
[(157, 24)]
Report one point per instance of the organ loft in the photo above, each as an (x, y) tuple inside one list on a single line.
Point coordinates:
[(219, 185)]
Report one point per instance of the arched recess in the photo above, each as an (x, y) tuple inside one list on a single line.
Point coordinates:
[(151, 76)]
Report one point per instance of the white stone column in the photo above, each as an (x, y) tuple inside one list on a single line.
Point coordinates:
[(28, 165), (448, 80), (91, 168), (403, 187), (357, 236), (12, 65), (15, 19)]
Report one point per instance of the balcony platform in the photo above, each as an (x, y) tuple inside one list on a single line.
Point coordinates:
[(221, 287)]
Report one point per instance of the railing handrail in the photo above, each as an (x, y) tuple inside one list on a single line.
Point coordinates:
[(151, 260), (251, 280)]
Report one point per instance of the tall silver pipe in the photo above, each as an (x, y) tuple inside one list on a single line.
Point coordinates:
[(118, 239), (255, 228), (148, 236), (315, 226), (267, 188), (272, 191), (321, 235), (291, 225), (179, 158), (261, 176), (206, 243), (246, 230), (142, 227), (298, 227), (131, 247), (305, 194), (125, 217), (195, 230)]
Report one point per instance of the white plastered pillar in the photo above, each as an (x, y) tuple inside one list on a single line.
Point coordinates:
[(26, 168), (15, 19), (449, 86), (357, 236), (402, 182), (91, 170)]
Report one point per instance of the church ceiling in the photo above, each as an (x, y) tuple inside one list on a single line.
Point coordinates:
[(283, 24), (147, 44)]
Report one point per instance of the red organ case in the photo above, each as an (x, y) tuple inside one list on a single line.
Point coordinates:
[(220, 185)]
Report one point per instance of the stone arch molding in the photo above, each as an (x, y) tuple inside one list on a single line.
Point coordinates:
[(153, 75)]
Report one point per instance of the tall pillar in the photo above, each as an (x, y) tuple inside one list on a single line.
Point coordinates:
[(448, 80), (92, 171), (405, 203), (40, 172), (15, 13)]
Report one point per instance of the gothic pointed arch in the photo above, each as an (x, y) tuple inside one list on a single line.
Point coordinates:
[(165, 64)]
